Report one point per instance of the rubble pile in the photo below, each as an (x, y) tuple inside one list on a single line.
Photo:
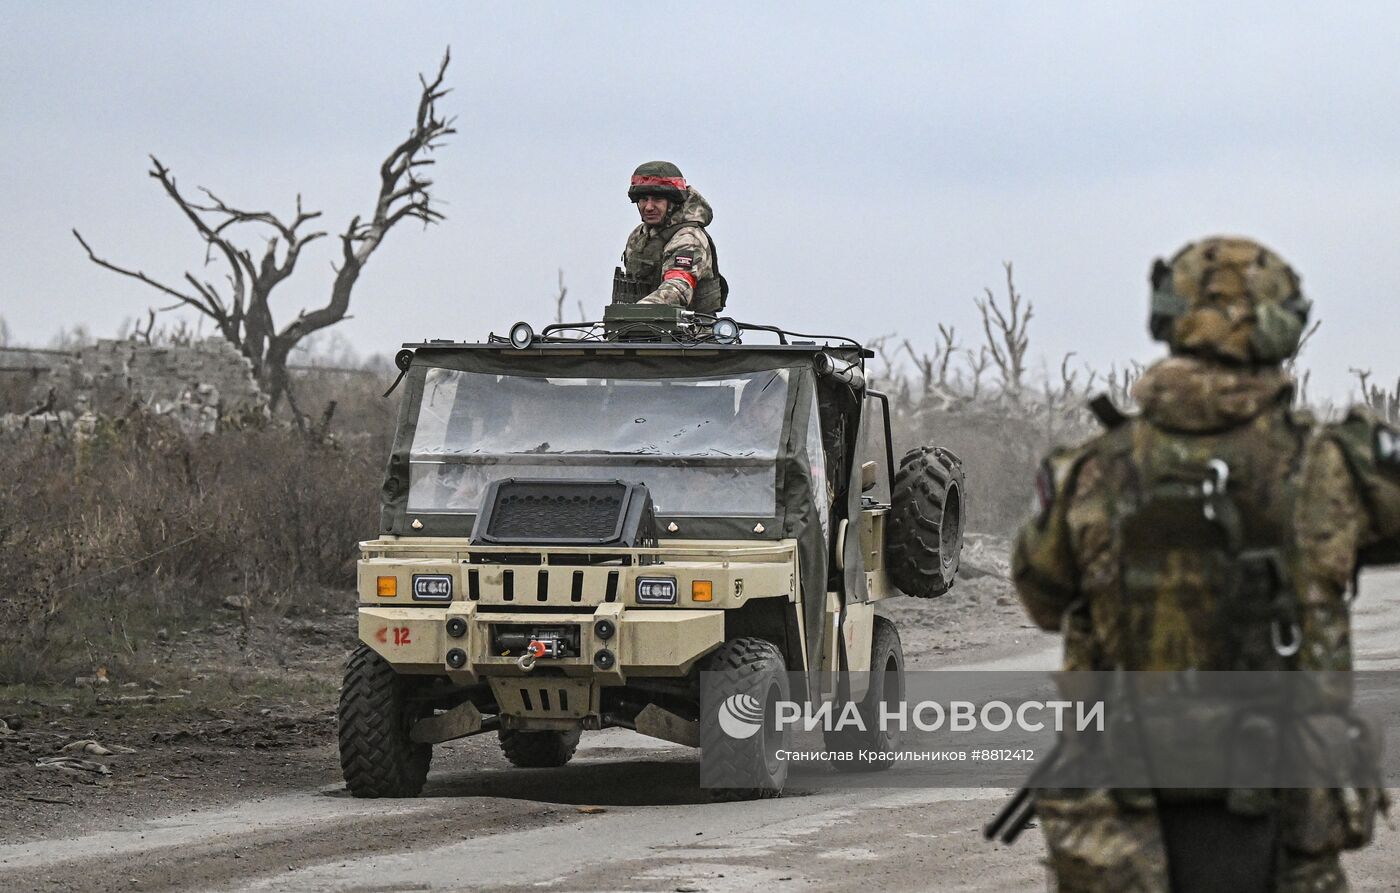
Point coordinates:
[(197, 384)]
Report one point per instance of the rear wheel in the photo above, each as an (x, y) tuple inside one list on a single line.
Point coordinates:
[(923, 541), (376, 716), (740, 762), (886, 687), (538, 750)]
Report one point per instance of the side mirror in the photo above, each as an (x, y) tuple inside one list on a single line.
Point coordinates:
[(869, 472)]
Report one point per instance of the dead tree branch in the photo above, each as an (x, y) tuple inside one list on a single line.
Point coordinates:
[(946, 350), (927, 364), (1005, 332), (241, 306), (977, 364), (559, 300)]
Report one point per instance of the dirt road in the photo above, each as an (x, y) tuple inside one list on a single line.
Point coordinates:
[(627, 814)]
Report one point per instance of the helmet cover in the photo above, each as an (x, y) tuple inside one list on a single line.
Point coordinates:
[(1228, 298), (660, 178)]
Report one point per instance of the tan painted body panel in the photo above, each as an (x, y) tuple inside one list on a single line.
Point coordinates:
[(872, 543), (858, 632), (657, 638), (409, 638), (737, 571), (651, 640), (546, 697)]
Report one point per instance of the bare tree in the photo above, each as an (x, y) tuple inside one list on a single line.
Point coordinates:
[(1383, 403), (241, 308), (1120, 382), (977, 364), (926, 363), (559, 300), (1008, 343), (880, 345), (889, 376), (946, 350), (933, 367), (1068, 386)]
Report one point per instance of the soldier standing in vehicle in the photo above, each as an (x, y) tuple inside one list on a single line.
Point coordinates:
[(669, 258), (1096, 564)]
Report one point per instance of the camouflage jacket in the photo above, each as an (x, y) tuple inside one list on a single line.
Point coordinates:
[(1332, 494), (1325, 492), (684, 266)]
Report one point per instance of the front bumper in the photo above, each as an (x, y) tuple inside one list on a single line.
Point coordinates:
[(645, 641)]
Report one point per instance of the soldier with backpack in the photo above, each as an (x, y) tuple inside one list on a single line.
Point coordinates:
[(669, 258), (1219, 529)]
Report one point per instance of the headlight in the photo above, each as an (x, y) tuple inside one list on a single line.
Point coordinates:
[(656, 590), (432, 587)]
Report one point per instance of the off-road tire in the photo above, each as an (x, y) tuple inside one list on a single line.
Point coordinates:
[(538, 750), (753, 667), (887, 687), (377, 756), (923, 540)]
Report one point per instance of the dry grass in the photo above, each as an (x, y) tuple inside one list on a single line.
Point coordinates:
[(106, 539)]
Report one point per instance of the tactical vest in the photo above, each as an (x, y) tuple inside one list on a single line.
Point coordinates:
[(643, 274), (1206, 546)]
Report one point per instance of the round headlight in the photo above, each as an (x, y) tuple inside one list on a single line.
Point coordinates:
[(521, 335), (726, 331)]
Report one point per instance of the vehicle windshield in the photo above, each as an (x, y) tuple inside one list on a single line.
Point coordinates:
[(703, 446)]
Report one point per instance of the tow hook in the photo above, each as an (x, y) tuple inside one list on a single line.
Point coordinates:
[(533, 652)]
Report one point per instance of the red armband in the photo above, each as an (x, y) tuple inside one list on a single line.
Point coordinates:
[(679, 274)]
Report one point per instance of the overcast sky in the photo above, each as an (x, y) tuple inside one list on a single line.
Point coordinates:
[(870, 165)]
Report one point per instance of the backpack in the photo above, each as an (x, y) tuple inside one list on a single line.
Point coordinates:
[(1206, 546)]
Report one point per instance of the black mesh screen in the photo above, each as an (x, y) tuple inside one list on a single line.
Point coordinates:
[(540, 512), (535, 510)]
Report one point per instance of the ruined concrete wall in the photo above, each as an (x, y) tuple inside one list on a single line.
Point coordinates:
[(198, 384)]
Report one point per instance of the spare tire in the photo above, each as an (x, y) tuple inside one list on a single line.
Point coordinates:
[(923, 540)]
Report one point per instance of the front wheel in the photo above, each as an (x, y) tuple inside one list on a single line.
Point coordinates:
[(738, 739), (376, 717)]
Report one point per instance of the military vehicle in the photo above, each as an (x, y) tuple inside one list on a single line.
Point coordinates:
[(576, 523)]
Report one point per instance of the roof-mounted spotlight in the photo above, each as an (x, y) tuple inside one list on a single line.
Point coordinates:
[(403, 359), (521, 335), (726, 331)]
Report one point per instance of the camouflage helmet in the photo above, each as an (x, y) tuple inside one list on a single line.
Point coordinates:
[(1230, 299), (658, 178)]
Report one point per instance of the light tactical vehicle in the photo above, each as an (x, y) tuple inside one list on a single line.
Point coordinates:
[(577, 523)]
